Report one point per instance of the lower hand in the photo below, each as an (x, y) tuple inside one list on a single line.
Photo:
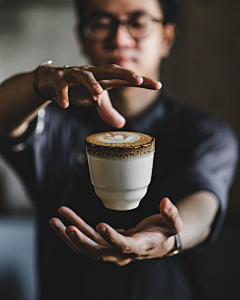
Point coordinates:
[(151, 238), (88, 85)]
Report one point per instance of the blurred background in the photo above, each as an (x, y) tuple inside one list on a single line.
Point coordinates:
[(203, 70)]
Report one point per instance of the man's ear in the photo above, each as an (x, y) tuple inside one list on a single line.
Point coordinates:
[(170, 36)]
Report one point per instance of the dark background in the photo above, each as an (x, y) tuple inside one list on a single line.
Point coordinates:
[(203, 70)]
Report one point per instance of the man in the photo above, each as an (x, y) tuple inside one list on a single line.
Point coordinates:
[(194, 162)]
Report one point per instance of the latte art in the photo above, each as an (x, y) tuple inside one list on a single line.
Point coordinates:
[(117, 137)]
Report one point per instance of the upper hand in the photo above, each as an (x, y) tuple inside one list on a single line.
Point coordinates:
[(151, 238), (88, 85)]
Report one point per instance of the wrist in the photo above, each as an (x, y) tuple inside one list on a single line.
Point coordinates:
[(37, 87), (169, 245), (175, 248)]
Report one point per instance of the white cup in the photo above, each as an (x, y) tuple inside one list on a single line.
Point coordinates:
[(120, 165)]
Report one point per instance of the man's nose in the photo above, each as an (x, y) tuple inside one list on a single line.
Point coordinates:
[(123, 37)]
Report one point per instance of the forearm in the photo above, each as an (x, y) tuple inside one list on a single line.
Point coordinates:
[(18, 104), (197, 212)]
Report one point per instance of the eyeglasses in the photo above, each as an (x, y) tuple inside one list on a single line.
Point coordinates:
[(104, 27)]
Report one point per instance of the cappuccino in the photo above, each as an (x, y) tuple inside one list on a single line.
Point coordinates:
[(120, 165)]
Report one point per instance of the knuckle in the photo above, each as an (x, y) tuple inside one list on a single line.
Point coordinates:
[(46, 68), (76, 250), (174, 213), (113, 66), (126, 248), (85, 67), (86, 72), (111, 239), (59, 80), (96, 258), (59, 74)]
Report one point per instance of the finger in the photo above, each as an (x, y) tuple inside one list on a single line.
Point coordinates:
[(140, 244), (84, 77), (151, 84), (61, 88), (109, 114), (117, 83), (79, 238), (116, 72), (72, 217), (170, 216), (59, 228), (93, 250), (122, 231), (136, 244), (113, 237), (97, 252), (123, 262)]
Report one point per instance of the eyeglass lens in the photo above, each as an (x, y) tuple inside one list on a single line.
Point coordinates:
[(104, 27)]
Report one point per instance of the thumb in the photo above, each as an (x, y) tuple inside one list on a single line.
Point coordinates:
[(62, 93), (170, 216), (107, 113)]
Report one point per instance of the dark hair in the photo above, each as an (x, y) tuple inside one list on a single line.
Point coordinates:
[(168, 8)]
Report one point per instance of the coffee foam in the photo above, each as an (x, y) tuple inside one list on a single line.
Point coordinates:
[(118, 137), (119, 144)]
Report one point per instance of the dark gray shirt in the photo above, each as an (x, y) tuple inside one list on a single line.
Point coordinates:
[(194, 152)]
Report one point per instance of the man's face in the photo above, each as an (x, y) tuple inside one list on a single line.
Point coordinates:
[(142, 55)]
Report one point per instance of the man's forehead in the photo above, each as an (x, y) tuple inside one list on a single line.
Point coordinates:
[(124, 7)]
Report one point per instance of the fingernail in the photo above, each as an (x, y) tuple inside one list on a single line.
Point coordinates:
[(96, 98), (64, 103), (168, 205), (53, 226), (98, 86), (71, 234), (158, 83), (137, 76), (103, 229), (121, 121), (59, 223)]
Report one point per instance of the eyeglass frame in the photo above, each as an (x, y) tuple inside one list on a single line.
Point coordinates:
[(87, 32)]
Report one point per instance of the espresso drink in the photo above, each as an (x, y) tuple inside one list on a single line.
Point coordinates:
[(120, 165)]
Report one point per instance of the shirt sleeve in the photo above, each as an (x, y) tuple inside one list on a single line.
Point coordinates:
[(19, 143), (209, 162)]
